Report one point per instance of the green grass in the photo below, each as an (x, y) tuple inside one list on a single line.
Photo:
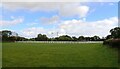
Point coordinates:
[(0, 54), (58, 55)]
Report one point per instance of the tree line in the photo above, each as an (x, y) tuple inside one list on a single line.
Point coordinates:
[(7, 35), (43, 37)]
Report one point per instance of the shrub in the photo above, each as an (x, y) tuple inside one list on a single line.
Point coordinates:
[(112, 42), (106, 42)]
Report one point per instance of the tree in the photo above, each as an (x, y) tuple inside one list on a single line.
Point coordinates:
[(81, 38), (5, 35), (96, 38), (21, 38), (64, 38), (74, 38), (113, 40), (115, 32), (32, 39), (12, 38), (87, 38), (55, 39), (109, 37), (41, 37)]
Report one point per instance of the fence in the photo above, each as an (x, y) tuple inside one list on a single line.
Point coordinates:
[(59, 41)]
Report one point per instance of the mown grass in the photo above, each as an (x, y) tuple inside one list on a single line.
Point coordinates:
[(58, 55), (0, 54)]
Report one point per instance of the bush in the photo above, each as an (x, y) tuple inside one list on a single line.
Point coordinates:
[(112, 42), (106, 42)]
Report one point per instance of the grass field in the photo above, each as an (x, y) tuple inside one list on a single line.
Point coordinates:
[(0, 54), (58, 55)]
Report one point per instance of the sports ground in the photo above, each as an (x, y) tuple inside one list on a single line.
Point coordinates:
[(58, 55)]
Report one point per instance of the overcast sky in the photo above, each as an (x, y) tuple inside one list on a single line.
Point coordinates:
[(71, 18)]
